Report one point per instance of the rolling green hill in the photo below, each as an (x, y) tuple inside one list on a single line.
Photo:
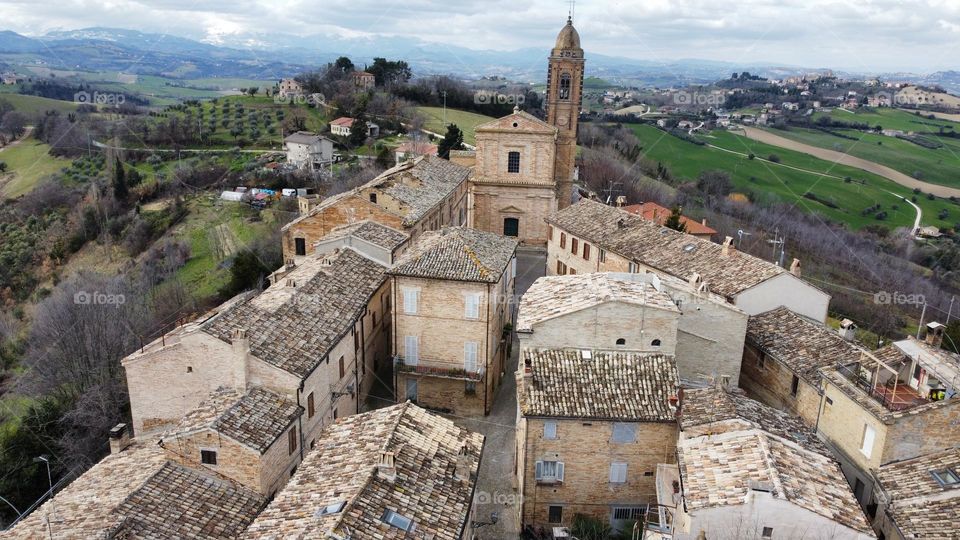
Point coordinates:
[(464, 120)]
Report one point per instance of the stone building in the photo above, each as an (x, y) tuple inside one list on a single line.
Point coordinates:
[(315, 337), (513, 185), (920, 496), (894, 404), (592, 427), (419, 195), (746, 470), (563, 101), (592, 237), (393, 473), (251, 438), (137, 492), (374, 241), (308, 150), (363, 80), (288, 88), (453, 292), (782, 359), (636, 312)]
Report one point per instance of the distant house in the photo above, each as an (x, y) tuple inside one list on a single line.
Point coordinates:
[(11, 78), (790, 106), (289, 88), (341, 127), (307, 150), (652, 211), (363, 80), (411, 149)]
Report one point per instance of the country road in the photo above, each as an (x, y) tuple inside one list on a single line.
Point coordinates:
[(26, 133), (846, 159)]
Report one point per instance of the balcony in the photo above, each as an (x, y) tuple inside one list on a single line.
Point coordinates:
[(883, 386), (438, 368)]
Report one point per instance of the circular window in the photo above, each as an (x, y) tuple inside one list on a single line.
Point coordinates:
[(515, 124)]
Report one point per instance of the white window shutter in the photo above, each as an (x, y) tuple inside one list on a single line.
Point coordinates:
[(470, 356), (560, 471), (410, 300), (411, 353), (538, 474), (550, 430), (618, 473), (472, 306)]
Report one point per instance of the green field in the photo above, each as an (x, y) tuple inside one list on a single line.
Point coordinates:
[(27, 163), (938, 166), (888, 119), (33, 105), (768, 181), (464, 120)]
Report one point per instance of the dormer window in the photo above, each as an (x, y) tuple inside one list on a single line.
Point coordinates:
[(513, 162), (564, 86)]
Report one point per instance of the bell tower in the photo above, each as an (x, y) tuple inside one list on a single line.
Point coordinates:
[(564, 91)]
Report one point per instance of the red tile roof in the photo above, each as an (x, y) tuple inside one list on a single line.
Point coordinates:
[(342, 121), (652, 211)]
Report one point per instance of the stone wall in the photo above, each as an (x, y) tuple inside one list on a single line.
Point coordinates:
[(772, 385)]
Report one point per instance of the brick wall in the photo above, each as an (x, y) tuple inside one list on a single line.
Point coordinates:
[(773, 383), (600, 327)]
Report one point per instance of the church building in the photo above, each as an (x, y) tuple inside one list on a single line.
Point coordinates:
[(524, 166)]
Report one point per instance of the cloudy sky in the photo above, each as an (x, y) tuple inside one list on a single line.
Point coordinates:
[(862, 35)]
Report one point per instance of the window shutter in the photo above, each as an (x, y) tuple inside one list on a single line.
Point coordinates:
[(472, 303), (538, 474), (411, 353), (618, 473), (550, 430), (560, 471), (470, 356), (410, 298)]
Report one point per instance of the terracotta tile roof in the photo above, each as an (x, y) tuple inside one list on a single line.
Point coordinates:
[(724, 470), (293, 327), (458, 253), (919, 505), (709, 410), (255, 418), (417, 148), (303, 137), (178, 502), (553, 296), (664, 249), (137, 493), (608, 385), (343, 469), (652, 211), (371, 231), (342, 121), (422, 185), (801, 345)]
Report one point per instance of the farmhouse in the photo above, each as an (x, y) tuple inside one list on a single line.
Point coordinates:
[(341, 127), (308, 150), (363, 80), (289, 88)]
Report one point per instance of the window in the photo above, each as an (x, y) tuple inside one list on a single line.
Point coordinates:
[(564, 92), (549, 232), (794, 386), (411, 350), (470, 357), (602, 255), (334, 508), (472, 305), (554, 514), (396, 520), (628, 513), (550, 430), (311, 410), (586, 251), (373, 198), (563, 240), (356, 340), (624, 432), (947, 478), (655, 343), (574, 245), (572, 272), (513, 162), (208, 457), (761, 359), (767, 532), (549, 471), (300, 245), (858, 488), (633, 268), (621, 341), (470, 387), (618, 473), (412, 389), (511, 227), (561, 268), (343, 368), (292, 440), (866, 440), (411, 300), (189, 369)]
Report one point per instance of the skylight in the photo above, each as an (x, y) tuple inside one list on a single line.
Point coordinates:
[(334, 508), (947, 478), (396, 520)]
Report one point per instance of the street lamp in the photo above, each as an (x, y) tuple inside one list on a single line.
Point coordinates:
[(46, 460)]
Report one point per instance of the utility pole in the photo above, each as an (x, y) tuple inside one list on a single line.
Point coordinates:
[(444, 108), (922, 315), (950, 310)]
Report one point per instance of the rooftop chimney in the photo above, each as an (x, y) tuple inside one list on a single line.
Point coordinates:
[(621, 200), (241, 352), (464, 464), (119, 438), (935, 334), (621, 223), (695, 279), (727, 245), (847, 329), (387, 467), (795, 267)]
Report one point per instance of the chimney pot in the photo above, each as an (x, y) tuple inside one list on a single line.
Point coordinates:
[(119, 438), (727, 245), (387, 467), (795, 267)]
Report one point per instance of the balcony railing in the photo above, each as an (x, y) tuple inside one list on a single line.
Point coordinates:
[(437, 368), (894, 396)]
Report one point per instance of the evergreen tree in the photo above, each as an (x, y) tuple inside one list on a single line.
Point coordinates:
[(120, 191), (674, 222), (358, 130), (453, 140)]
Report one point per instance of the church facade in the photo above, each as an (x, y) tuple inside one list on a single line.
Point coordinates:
[(524, 166)]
